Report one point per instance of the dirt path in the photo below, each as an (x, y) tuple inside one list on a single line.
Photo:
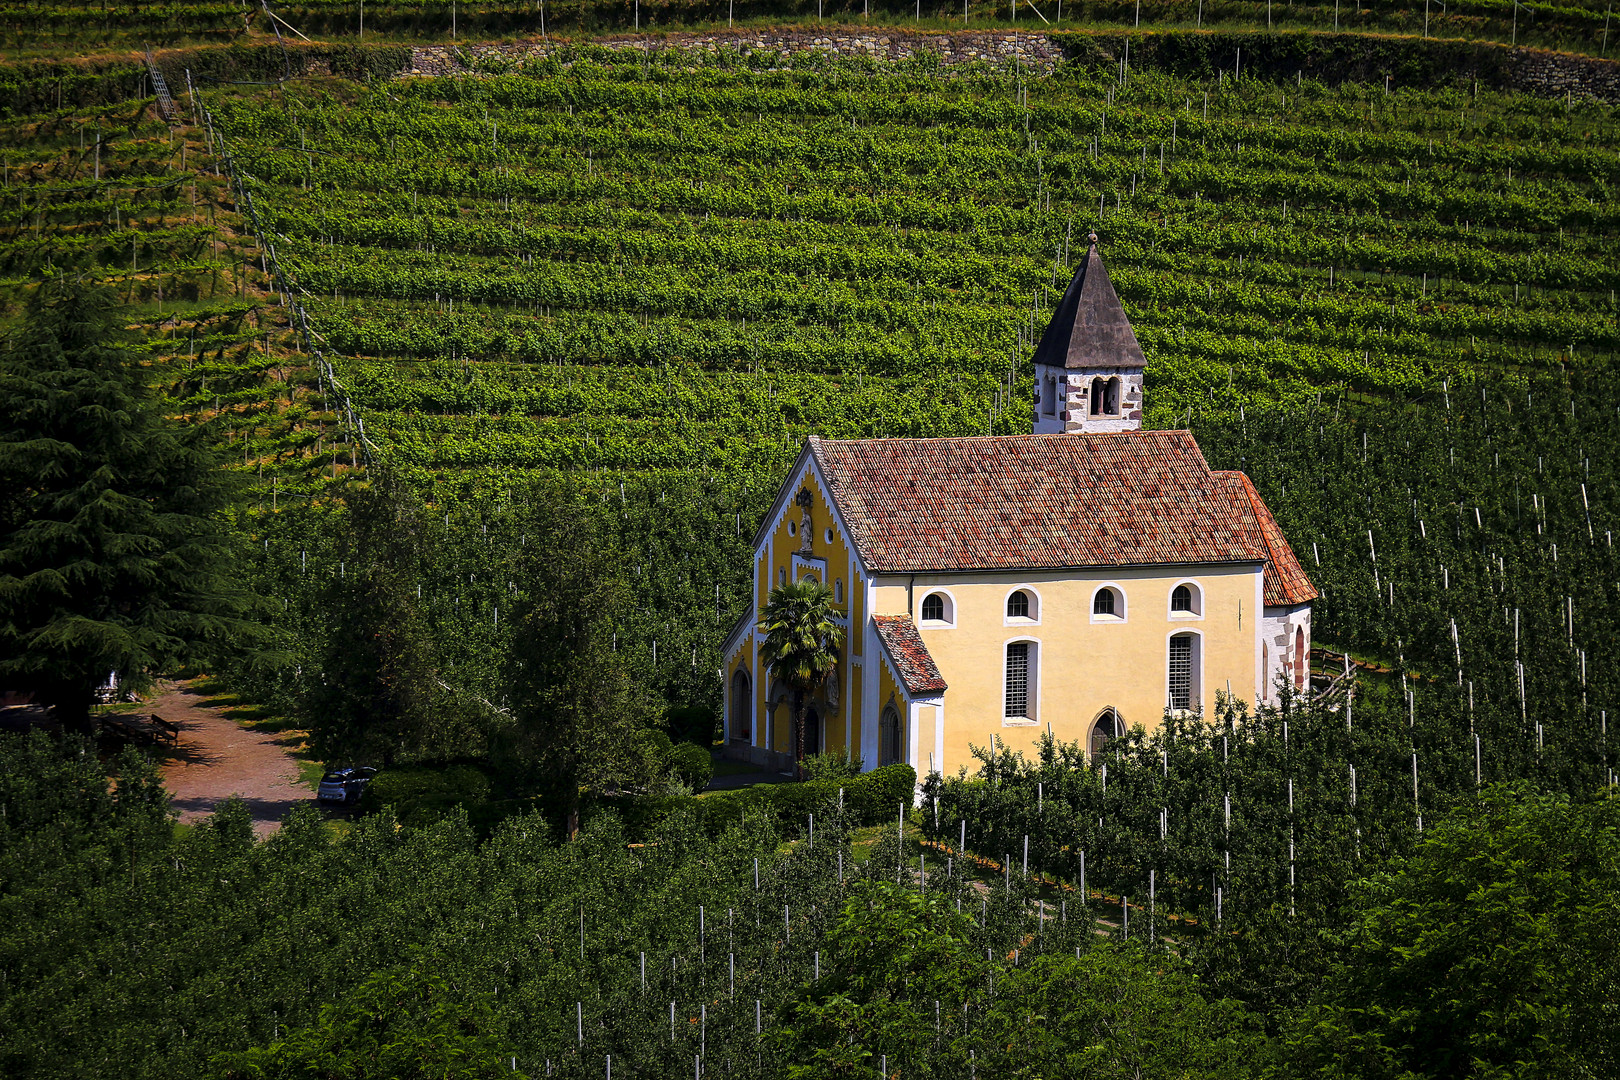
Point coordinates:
[(218, 757)]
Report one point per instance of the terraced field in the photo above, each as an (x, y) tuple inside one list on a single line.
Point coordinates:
[(634, 263)]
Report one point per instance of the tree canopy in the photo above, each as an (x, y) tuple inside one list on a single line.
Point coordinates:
[(113, 555)]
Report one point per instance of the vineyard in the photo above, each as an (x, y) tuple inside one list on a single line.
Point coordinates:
[(628, 283)]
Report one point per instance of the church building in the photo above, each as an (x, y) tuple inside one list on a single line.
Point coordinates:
[(1082, 578)]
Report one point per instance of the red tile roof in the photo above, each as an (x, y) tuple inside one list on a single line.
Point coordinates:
[(1036, 501), (908, 654), (1286, 583)]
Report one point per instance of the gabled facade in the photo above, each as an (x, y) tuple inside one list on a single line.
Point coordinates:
[(994, 587)]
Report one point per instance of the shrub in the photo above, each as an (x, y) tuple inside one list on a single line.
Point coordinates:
[(839, 766), (691, 765), (870, 798), (399, 788)]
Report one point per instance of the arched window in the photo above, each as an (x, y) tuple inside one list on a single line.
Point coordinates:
[(1103, 602), (889, 737), (1105, 727), (1302, 661), (1049, 396), (1183, 671), (781, 576), (1181, 599), (1099, 390), (933, 608), (742, 707), (838, 591), (1020, 668), (1018, 605), (1111, 398)]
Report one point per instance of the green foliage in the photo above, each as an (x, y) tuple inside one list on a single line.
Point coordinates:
[(576, 709), (1119, 1014), (1492, 950), (401, 1023), (113, 555), (380, 694), (694, 724), (397, 788), (691, 766), (869, 799), (892, 957), (838, 765)]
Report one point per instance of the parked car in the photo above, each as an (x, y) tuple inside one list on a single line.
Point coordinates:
[(344, 785)]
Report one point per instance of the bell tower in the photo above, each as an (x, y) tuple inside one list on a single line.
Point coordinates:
[(1088, 366)]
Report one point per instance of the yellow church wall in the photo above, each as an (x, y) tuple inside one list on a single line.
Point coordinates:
[(775, 563), (1081, 666)]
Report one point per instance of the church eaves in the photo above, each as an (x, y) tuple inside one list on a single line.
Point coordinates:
[(1089, 329)]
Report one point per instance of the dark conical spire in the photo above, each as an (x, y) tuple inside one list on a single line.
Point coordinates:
[(1089, 329)]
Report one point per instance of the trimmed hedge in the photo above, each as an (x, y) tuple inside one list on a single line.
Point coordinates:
[(403, 788), (870, 799)]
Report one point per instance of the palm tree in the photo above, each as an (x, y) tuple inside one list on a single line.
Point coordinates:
[(801, 645)]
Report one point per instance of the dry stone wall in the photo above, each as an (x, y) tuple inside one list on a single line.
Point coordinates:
[(1037, 52), (1532, 71)]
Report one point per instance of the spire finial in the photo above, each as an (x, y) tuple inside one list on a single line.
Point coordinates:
[(1092, 236)]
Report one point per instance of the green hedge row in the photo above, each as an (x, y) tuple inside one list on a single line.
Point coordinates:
[(870, 799), (421, 796)]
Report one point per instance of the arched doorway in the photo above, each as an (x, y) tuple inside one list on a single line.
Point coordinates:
[(890, 737), (742, 707), (812, 732), (1104, 729)]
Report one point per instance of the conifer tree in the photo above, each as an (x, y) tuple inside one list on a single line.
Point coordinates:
[(114, 555)]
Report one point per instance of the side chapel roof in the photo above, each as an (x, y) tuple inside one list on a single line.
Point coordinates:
[(911, 657), (1138, 498), (1089, 328)]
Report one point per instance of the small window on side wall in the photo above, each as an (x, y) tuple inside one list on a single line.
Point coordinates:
[(1181, 599), (1018, 605), (933, 608), (1103, 602)]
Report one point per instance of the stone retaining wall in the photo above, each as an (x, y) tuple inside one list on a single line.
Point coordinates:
[(1036, 51), (1533, 71)]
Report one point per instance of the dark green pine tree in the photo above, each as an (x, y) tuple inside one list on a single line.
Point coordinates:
[(114, 554)]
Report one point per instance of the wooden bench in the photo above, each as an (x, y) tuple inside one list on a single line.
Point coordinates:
[(165, 730)]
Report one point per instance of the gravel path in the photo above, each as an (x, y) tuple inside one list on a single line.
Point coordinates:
[(218, 757)]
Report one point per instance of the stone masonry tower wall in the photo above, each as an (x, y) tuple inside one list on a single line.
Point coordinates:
[(1088, 365)]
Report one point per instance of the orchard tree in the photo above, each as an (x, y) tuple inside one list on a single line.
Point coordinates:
[(113, 552), (576, 709)]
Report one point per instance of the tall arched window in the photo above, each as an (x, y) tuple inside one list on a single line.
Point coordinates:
[(889, 737), (742, 707), (1302, 662), (1099, 390), (1105, 728), (1182, 671), (1018, 605), (1020, 669), (1265, 672)]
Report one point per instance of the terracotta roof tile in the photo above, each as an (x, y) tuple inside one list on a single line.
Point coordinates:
[(909, 655), (1037, 501), (1286, 582)]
